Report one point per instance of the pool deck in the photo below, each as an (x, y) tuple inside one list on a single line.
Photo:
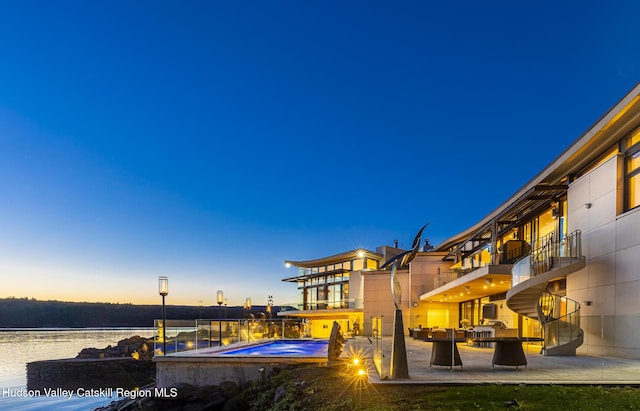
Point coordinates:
[(211, 366), (476, 367)]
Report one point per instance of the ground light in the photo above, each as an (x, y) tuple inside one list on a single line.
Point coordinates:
[(357, 364)]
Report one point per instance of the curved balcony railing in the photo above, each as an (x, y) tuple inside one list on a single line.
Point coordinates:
[(550, 254), (561, 322)]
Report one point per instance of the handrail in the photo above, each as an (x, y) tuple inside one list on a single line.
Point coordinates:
[(553, 253), (560, 319)]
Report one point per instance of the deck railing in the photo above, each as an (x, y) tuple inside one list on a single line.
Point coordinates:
[(186, 335), (548, 254)]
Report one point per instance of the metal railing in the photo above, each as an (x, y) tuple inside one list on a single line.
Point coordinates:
[(560, 319), (553, 253), (324, 305), (549, 254)]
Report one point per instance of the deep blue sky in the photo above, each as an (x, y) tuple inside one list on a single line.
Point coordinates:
[(210, 141)]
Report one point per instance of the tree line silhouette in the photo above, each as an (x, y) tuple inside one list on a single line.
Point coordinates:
[(31, 313)]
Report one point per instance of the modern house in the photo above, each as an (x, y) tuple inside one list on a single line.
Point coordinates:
[(559, 259), (331, 289)]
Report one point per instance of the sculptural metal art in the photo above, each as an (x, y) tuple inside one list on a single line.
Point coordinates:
[(399, 366)]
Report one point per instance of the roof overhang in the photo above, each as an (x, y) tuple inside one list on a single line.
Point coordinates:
[(338, 258), (485, 281), (529, 203), (604, 133), (315, 275), (340, 313)]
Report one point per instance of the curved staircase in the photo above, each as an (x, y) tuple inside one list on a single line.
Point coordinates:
[(529, 296)]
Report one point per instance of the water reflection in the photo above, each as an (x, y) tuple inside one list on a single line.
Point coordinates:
[(18, 347)]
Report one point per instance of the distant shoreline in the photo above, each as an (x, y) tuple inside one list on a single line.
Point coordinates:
[(7, 329)]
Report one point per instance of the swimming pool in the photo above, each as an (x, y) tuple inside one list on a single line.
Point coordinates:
[(240, 363), (295, 348)]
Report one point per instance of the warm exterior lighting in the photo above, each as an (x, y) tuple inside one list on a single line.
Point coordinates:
[(287, 265), (248, 303), (220, 296), (360, 253), (362, 372), (163, 289), (356, 361), (163, 285)]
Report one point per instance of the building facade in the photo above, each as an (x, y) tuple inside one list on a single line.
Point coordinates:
[(559, 259)]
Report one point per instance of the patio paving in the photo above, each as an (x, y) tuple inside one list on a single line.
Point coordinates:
[(476, 367)]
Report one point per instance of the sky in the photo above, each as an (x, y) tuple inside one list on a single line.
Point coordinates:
[(210, 141)]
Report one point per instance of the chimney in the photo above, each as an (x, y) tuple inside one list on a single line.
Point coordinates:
[(395, 243)]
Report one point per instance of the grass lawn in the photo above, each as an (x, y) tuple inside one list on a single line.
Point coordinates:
[(313, 387)]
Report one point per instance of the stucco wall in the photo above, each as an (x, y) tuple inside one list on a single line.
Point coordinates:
[(378, 300), (424, 269), (608, 288)]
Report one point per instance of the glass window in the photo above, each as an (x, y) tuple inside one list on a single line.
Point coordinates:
[(633, 186), (632, 171), (345, 296), (633, 162), (633, 138)]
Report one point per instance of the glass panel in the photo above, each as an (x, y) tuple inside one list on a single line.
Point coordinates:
[(358, 264), (633, 162), (633, 138), (345, 295), (634, 191), (547, 223)]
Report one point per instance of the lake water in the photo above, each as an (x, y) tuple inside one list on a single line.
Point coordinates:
[(18, 347)]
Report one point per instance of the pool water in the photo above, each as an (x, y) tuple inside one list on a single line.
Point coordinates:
[(290, 348)]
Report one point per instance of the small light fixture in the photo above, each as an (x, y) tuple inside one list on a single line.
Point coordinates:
[(360, 253), (587, 205), (587, 302)]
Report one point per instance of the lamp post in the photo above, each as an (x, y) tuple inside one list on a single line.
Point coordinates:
[(269, 305), (247, 304), (220, 301), (163, 289)]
